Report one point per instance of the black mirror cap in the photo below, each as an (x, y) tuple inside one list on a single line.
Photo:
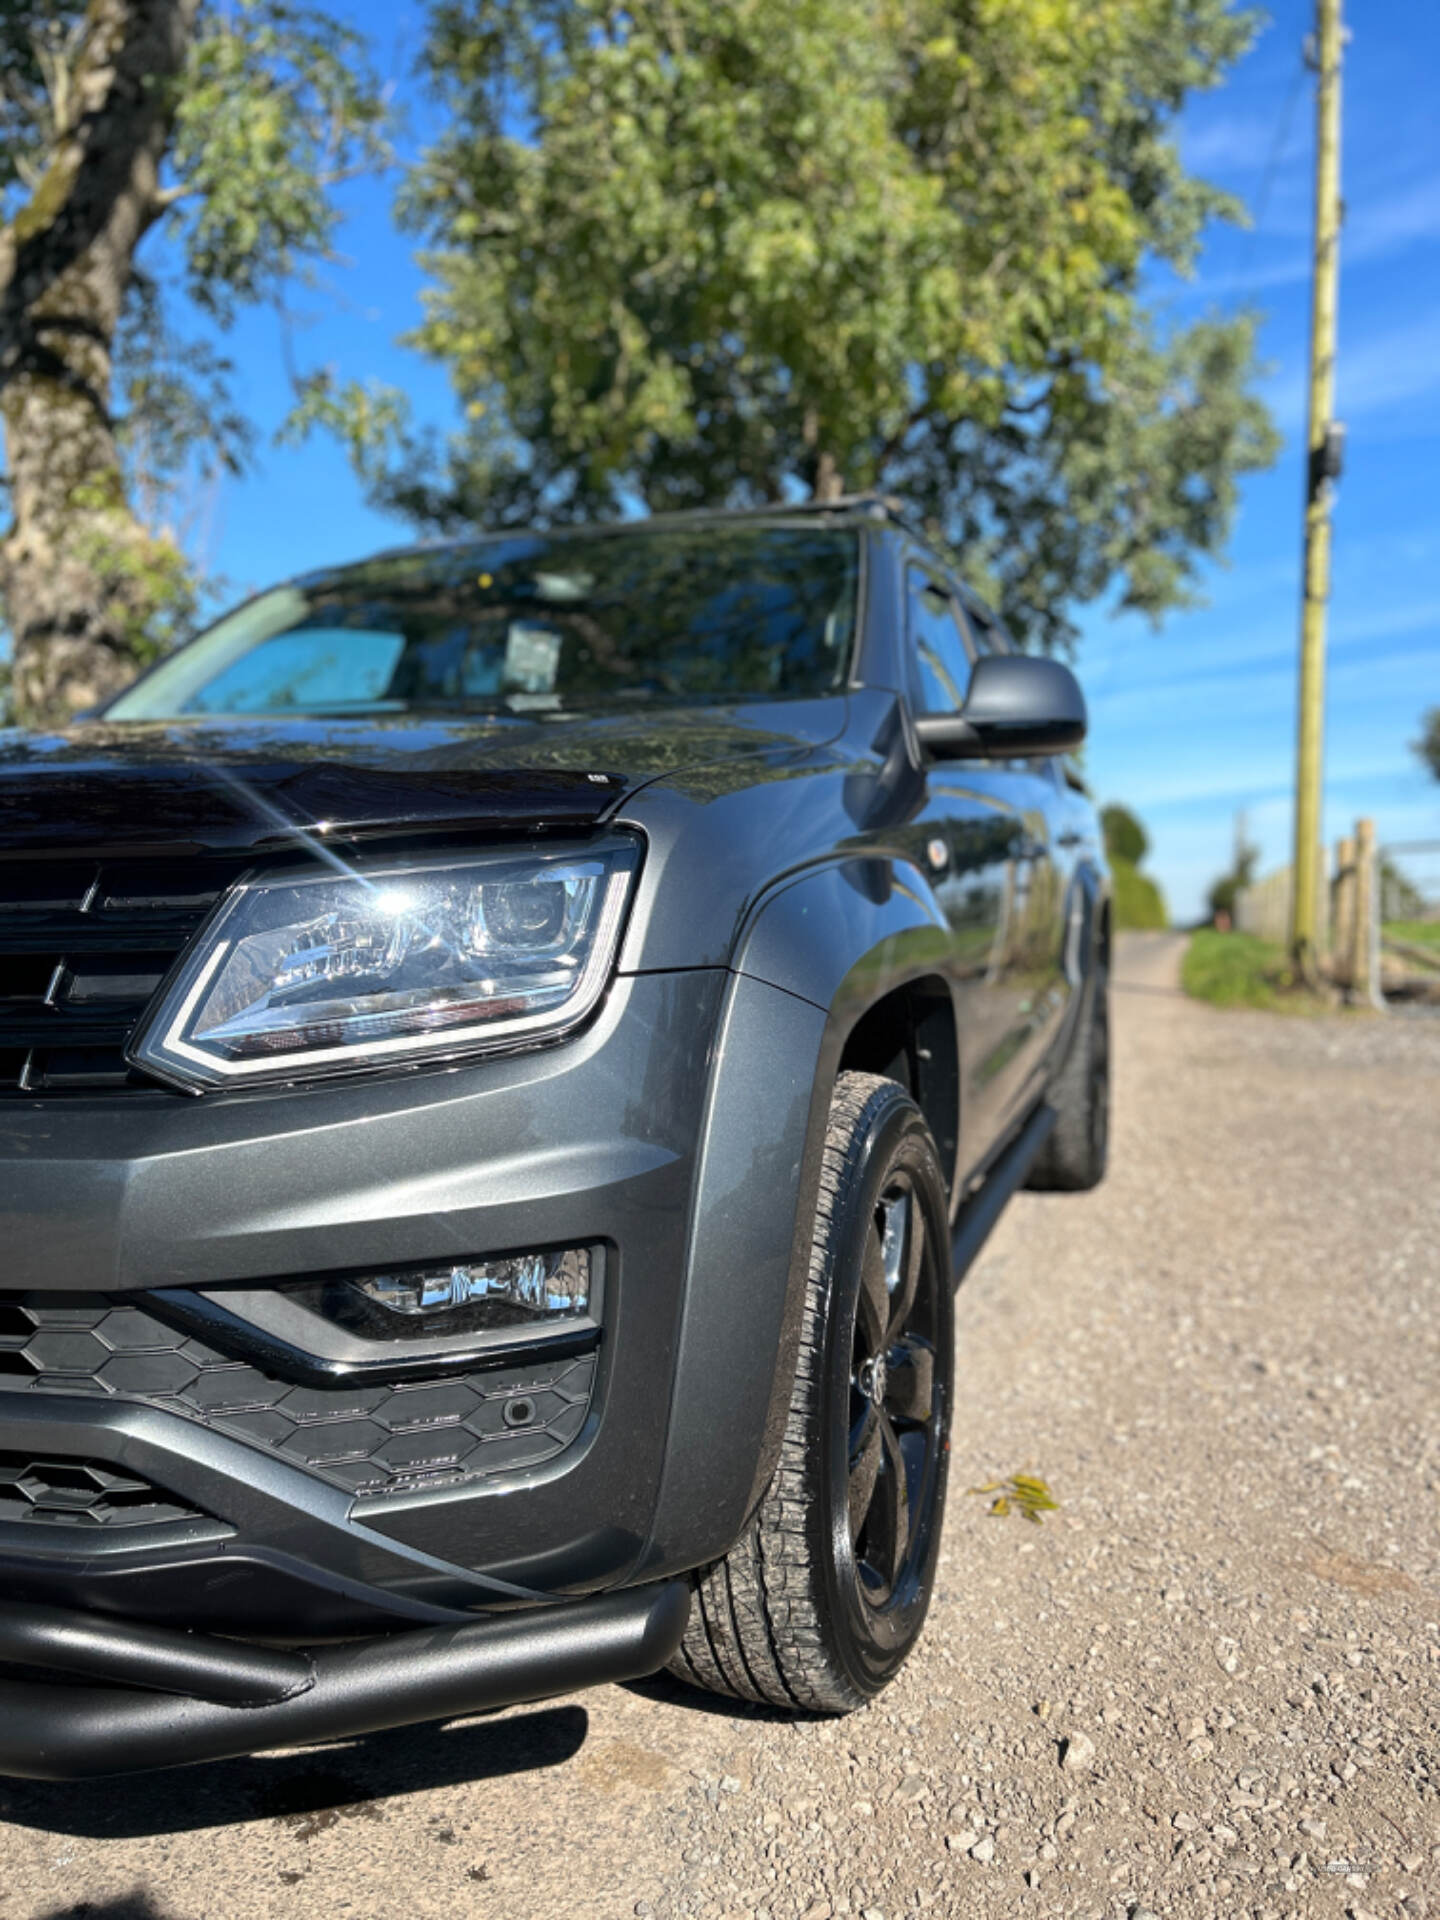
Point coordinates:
[(1019, 704)]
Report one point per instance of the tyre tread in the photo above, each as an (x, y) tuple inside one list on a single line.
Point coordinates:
[(755, 1631)]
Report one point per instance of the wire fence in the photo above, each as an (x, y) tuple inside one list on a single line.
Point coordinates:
[(1408, 910), (1380, 939)]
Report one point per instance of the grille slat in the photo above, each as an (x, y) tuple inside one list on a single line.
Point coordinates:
[(84, 947), (63, 1027)]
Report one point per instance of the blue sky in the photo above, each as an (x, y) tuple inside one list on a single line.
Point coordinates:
[(1197, 721)]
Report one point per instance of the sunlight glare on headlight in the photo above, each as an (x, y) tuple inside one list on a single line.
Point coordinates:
[(314, 973)]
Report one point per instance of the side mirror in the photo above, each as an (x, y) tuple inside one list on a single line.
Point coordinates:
[(1018, 704)]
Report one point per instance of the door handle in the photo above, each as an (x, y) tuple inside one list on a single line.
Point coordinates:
[(1070, 838)]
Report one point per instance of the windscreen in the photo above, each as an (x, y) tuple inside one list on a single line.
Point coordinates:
[(711, 611)]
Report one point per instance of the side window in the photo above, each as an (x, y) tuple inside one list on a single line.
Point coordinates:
[(986, 631), (937, 647)]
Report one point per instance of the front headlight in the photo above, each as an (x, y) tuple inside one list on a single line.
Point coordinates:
[(326, 971)]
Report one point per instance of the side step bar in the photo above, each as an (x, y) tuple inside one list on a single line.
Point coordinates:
[(68, 1732), (976, 1220)]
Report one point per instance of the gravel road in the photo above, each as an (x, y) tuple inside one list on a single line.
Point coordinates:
[(1208, 1686)]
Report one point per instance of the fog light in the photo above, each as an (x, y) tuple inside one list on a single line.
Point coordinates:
[(527, 1290), (538, 1282)]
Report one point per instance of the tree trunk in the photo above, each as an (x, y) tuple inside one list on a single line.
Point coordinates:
[(76, 567), (827, 481)]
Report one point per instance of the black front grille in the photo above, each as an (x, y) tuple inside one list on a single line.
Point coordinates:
[(81, 1493), (84, 944), (370, 1437)]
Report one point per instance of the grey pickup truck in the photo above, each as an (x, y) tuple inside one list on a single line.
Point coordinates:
[(505, 1049)]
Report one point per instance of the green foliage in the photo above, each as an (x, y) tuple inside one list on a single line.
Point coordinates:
[(1125, 838), (256, 110), (278, 105), (1428, 745), (1221, 897), (1138, 901), (176, 422), (1240, 970), (36, 42), (702, 251), (146, 581)]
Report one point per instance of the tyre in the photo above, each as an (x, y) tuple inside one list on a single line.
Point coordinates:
[(1074, 1157), (822, 1598)]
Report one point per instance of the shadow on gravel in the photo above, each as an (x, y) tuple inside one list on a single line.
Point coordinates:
[(129, 1906), (309, 1791), (665, 1688)]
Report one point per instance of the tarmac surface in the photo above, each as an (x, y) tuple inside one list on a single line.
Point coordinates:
[(1209, 1685)]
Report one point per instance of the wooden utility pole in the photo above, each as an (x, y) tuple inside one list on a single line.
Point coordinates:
[(1326, 439)]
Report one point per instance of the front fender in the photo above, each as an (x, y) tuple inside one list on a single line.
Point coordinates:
[(817, 953), (846, 934)]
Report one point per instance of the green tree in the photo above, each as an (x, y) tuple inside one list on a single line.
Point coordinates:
[(1428, 745), (699, 251), (1138, 900), (222, 128), (1125, 838), (1222, 894)]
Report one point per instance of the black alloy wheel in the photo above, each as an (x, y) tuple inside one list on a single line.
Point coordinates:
[(897, 1430)]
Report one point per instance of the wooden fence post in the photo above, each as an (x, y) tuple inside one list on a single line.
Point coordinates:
[(1363, 980), (1344, 948)]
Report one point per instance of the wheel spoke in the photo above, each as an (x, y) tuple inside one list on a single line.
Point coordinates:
[(907, 1276), (874, 1308), (861, 1430), (894, 1231), (887, 1532), (864, 1473), (910, 1379)]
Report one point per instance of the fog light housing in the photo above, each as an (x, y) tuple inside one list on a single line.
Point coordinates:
[(530, 1291)]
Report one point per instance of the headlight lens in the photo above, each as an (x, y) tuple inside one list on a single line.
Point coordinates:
[(323, 972)]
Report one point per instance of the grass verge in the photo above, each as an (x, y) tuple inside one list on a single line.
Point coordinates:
[(1239, 970), (1416, 933)]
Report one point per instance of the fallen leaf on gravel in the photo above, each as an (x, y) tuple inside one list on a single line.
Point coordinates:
[(1025, 1492)]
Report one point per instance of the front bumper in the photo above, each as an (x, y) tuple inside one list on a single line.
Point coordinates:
[(673, 1133), (73, 1732)]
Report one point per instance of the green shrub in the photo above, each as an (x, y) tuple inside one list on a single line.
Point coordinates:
[(1139, 903), (1125, 838)]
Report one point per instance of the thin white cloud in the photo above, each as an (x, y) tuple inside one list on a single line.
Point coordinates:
[(1382, 371), (1374, 229), (1231, 146)]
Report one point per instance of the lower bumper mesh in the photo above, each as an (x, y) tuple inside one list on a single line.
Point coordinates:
[(365, 1436), (81, 1493)]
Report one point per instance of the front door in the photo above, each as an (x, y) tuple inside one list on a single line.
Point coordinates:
[(970, 817)]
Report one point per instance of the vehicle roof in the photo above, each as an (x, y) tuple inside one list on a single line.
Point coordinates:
[(855, 509), (864, 510)]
